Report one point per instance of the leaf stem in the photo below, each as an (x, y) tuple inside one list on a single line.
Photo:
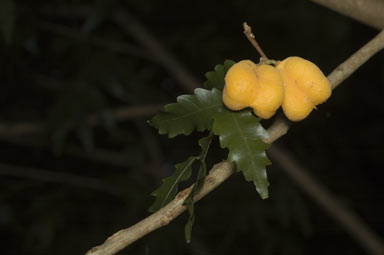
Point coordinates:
[(251, 37), (204, 143), (204, 151)]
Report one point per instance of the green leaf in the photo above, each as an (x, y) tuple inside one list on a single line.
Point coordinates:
[(190, 203), (7, 19), (215, 79), (189, 113), (168, 189), (200, 178), (204, 143), (189, 224), (241, 133)]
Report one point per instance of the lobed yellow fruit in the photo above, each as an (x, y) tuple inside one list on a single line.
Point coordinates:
[(256, 86), (305, 87)]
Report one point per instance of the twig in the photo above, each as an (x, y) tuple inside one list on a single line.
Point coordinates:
[(133, 27), (251, 37), (126, 236), (369, 12), (58, 177), (129, 112), (115, 46), (219, 173), (136, 111), (344, 70), (138, 31), (349, 220), (20, 129), (97, 155), (120, 114)]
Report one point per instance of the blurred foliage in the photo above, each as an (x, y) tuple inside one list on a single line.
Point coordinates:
[(7, 20), (61, 67)]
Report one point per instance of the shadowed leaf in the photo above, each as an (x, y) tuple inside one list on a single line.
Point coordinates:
[(168, 189), (215, 79), (204, 143)]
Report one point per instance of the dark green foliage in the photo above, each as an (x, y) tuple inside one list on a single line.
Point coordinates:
[(215, 79), (168, 189), (191, 112), (241, 133), (204, 143)]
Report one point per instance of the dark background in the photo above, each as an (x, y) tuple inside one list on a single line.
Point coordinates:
[(61, 78)]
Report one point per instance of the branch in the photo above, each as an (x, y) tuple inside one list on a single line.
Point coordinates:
[(344, 70), (16, 134), (219, 173), (136, 111), (20, 129), (369, 12), (120, 114), (162, 217), (278, 128), (132, 26), (112, 45), (349, 220), (97, 154), (58, 177)]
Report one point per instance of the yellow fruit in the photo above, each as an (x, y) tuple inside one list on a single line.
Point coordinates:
[(256, 86), (305, 87)]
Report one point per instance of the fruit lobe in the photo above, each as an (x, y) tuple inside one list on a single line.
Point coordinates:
[(305, 87), (256, 86)]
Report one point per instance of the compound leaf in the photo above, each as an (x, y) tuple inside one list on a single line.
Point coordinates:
[(215, 79), (189, 113), (168, 189), (241, 133)]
